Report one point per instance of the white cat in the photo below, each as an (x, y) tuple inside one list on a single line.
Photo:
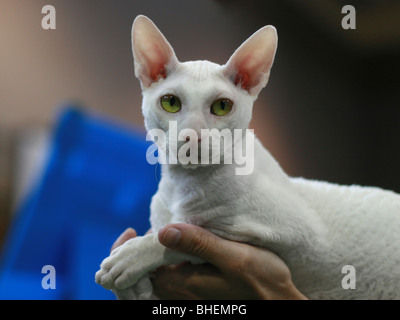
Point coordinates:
[(317, 228)]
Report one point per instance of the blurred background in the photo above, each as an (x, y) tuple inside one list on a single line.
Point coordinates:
[(331, 110)]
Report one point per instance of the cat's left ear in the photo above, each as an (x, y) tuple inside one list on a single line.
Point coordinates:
[(249, 67), (153, 56)]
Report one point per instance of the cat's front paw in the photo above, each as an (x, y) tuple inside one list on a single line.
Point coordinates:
[(122, 269), (142, 290)]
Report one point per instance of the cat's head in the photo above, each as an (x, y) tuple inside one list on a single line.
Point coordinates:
[(199, 94)]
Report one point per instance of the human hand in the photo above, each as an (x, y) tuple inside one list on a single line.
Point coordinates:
[(235, 270)]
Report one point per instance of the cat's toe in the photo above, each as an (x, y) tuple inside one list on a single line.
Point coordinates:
[(144, 289), (125, 280), (110, 270), (125, 294)]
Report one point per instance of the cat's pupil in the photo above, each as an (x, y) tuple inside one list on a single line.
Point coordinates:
[(222, 104), (172, 101)]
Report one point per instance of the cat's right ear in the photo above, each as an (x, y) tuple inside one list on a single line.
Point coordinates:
[(153, 56)]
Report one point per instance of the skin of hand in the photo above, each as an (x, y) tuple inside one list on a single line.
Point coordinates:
[(233, 270)]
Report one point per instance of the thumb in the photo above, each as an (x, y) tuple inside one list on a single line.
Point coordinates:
[(198, 242)]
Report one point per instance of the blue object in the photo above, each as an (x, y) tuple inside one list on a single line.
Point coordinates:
[(97, 183)]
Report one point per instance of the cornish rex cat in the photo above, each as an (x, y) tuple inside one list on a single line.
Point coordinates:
[(317, 228)]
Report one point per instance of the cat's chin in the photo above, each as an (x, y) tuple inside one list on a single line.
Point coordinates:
[(193, 166)]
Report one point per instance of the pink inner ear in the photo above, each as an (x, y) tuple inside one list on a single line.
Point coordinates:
[(243, 79), (158, 59), (158, 71)]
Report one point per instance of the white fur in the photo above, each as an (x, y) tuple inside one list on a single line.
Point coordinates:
[(315, 227)]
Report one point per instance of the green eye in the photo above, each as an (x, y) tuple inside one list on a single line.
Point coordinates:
[(221, 107), (170, 103)]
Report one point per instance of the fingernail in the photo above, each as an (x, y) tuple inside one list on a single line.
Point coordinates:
[(171, 237)]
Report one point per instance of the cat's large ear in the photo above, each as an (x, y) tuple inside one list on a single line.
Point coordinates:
[(153, 55), (249, 67)]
